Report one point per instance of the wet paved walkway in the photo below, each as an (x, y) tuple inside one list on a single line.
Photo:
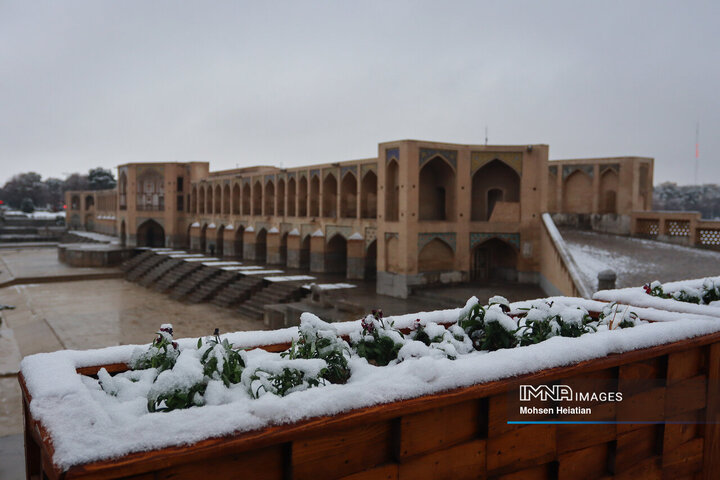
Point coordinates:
[(637, 261)]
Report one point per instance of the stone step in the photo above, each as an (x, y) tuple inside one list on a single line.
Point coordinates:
[(175, 276), (237, 291), (192, 282), (136, 273), (136, 260), (159, 271), (210, 288)]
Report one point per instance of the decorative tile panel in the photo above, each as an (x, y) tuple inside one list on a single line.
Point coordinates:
[(314, 172), (368, 167), (331, 230), (290, 175), (389, 235), (553, 169), (370, 235), (425, 238), (511, 159), (269, 178), (348, 168), (610, 166), (328, 171), (391, 153), (569, 169), (429, 153), (512, 238)]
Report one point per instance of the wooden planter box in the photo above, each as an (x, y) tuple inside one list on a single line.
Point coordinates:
[(463, 433)]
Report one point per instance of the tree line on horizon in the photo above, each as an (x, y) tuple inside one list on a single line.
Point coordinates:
[(28, 191), (689, 198)]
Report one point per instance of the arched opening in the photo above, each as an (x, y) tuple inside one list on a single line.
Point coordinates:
[(552, 192), (75, 222), (578, 193), (246, 199), (75, 203), (494, 259), (122, 191), (236, 199), (209, 199), (368, 196), (89, 202), (280, 209), (336, 255), (220, 241), (608, 191), (305, 253), (203, 238), (392, 191), (151, 234), (348, 196), (437, 190), (201, 201), (239, 243), (283, 248), (218, 200), (123, 234), (436, 256), (494, 182), (494, 195), (193, 200), (226, 200), (188, 237), (330, 196), (257, 198), (261, 246), (89, 223), (270, 198), (371, 261), (150, 191), (315, 196), (291, 197), (303, 197)]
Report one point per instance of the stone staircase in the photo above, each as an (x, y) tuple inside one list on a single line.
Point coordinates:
[(210, 288), (157, 272), (272, 293), (193, 282), (238, 291), (176, 275), (144, 267), (136, 260)]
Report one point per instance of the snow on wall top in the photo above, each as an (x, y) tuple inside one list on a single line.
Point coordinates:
[(84, 430), (637, 296)]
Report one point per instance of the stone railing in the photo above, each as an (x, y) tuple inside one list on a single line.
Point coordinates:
[(559, 273), (686, 228)]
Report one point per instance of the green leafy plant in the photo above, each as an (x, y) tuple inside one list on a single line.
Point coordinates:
[(489, 327), (379, 342), (221, 361), (177, 399), (161, 354), (318, 339), (281, 383)]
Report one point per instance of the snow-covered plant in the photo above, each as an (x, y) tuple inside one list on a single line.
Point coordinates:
[(655, 289), (282, 377), (489, 327), (183, 386), (711, 291), (161, 354), (379, 342), (436, 341), (319, 339), (547, 319), (220, 361), (617, 316), (687, 295)]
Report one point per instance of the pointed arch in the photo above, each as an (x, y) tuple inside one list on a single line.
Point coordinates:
[(280, 202), (226, 200), (269, 195), (193, 199), (392, 191), (203, 238), (348, 195), (494, 182), (239, 241), (368, 195), (314, 196), (608, 191), (257, 198), (329, 196), (336, 255), (123, 233), (305, 253), (201, 200), (209, 199), (437, 190), (246, 196), (577, 193), (236, 199), (494, 259), (371, 261), (303, 197), (217, 208), (291, 197), (150, 234), (220, 241), (436, 256), (261, 246), (122, 190)]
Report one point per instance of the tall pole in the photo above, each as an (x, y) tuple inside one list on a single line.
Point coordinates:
[(697, 150)]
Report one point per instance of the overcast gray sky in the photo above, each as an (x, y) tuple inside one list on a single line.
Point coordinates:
[(98, 83)]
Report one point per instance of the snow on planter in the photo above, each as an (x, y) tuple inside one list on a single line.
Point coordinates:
[(179, 392), (699, 296)]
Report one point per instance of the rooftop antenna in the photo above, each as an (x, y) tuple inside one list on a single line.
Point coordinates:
[(486, 135), (697, 150)]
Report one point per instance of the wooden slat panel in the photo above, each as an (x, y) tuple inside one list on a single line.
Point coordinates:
[(640, 376), (525, 447), (589, 463), (711, 465), (576, 437), (678, 433), (649, 469), (461, 462), (684, 459), (265, 464), (342, 452), (686, 396), (648, 406), (384, 472), (637, 445), (687, 364), (439, 428), (547, 471)]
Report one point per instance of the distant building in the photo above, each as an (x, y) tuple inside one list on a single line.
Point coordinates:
[(420, 213)]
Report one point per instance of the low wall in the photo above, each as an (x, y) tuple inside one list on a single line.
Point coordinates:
[(558, 271), (93, 255), (604, 223), (684, 228)]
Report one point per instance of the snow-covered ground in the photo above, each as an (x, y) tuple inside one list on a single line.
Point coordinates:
[(637, 261)]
